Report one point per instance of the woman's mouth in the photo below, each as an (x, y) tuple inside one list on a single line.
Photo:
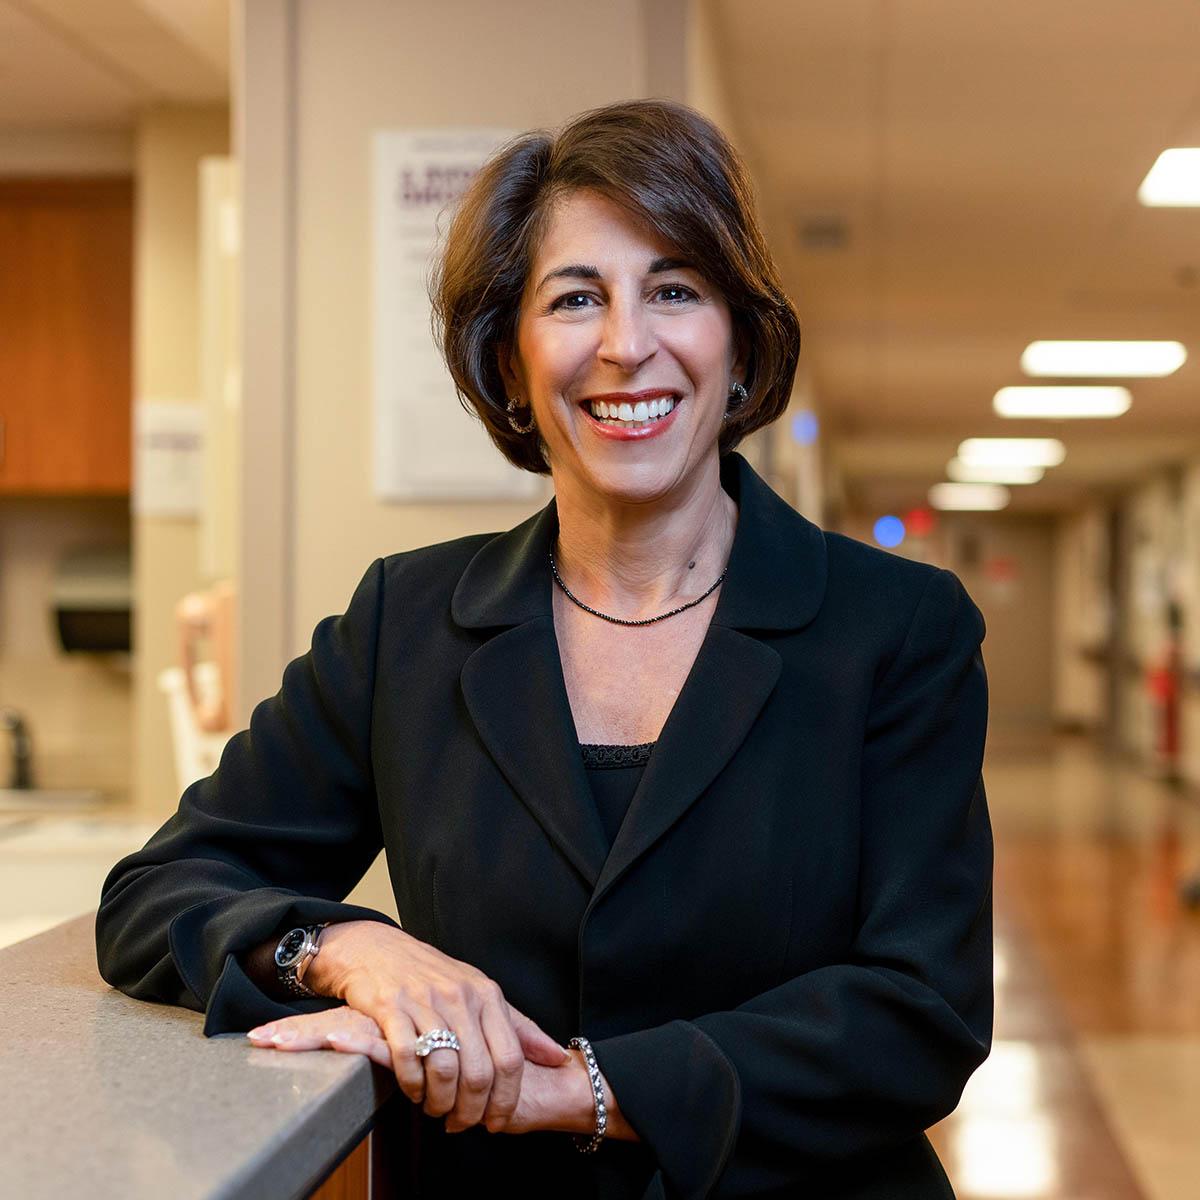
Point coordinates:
[(632, 418)]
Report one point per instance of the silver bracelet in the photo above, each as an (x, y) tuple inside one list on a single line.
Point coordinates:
[(584, 1144)]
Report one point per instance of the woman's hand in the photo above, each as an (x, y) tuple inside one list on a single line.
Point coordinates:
[(404, 987), (550, 1097)]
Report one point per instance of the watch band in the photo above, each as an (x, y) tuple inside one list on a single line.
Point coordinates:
[(288, 976)]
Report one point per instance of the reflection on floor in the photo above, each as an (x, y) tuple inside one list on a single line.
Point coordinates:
[(1092, 1090), (1093, 1086)]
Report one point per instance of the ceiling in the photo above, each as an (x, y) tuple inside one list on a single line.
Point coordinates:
[(107, 59), (985, 161)]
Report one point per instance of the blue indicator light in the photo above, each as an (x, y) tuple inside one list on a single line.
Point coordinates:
[(889, 531), (805, 427)]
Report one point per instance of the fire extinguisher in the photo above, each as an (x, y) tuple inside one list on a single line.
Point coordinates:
[(1164, 683)]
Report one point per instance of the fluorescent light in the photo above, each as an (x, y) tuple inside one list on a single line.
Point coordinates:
[(1174, 180), (1009, 452), (962, 472), (1127, 359), (1062, 402), (968, 497)]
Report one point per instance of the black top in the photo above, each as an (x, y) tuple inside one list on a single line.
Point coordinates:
[(614, 771)]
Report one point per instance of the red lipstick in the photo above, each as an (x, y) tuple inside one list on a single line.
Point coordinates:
[(619, 433)]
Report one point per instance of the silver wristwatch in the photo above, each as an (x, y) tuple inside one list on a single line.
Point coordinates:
[(292, 954)]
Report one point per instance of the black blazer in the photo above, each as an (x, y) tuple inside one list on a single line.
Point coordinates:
[(785, 962)]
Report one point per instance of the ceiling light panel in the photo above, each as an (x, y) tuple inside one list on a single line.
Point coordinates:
[(1009, 452), (968, 497), (1096, 359), (1174, 180), (1062, 402), (963, 472)]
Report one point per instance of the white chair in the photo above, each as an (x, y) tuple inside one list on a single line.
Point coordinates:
[(197, 751)]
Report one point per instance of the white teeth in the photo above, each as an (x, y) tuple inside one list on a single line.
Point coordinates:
[(637, 415)]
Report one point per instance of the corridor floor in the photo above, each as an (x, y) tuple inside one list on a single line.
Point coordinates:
[(1092, 1090)]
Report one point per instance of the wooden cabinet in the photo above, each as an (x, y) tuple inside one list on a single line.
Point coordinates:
[(66, 250)]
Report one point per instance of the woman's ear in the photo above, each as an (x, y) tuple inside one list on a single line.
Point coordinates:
[(741, 355), (508, 374)]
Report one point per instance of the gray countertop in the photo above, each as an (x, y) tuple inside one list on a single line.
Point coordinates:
[(106, 1096)]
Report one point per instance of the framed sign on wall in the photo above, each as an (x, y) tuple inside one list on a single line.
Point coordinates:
[(426, 445)]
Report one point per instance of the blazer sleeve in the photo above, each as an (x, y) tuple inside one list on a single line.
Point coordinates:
[(275, 837), (862, 1055)]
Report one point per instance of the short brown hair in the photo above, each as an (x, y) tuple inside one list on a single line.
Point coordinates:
[(667, 164)]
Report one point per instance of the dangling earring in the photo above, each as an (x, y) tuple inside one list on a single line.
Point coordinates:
[(737, 397), (512, 408)]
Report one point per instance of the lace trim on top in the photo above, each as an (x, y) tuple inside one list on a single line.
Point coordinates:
[(596, 754)]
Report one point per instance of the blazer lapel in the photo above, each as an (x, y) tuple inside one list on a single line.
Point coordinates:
[(516, 695), (723, 694)]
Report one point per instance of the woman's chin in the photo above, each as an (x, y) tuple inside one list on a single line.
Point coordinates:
[(641, 481)]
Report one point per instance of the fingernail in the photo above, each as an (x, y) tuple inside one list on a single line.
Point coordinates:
[(337, 1037), (261, 1033), (286, 1035)]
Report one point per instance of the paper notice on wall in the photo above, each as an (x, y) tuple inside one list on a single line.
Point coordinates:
[(426, 445), (168, 459)]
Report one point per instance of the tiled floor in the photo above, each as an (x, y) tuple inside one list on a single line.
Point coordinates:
[(1092, 1090)]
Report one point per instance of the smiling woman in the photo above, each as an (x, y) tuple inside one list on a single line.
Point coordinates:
[(681, 794)]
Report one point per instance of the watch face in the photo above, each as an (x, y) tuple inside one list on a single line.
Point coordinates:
[(288, 950)]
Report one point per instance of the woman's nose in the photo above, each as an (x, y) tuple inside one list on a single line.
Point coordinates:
[(628, 338)]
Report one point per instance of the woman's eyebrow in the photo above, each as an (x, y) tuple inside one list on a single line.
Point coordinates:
[(585, 271)]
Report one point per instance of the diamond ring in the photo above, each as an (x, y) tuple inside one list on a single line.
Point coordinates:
[(436, 1039)]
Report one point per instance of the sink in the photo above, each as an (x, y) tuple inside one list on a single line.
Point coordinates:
[(48, 799)]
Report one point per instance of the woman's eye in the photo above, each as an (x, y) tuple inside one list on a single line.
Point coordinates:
[(561, 302), (680, 295)]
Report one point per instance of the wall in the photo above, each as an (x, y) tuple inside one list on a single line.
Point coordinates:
[(1083, 612), (1189, 584), (66, 151), (1018, 649), (78, 707), (170, 143)]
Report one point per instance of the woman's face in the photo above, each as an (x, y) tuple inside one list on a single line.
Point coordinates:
[(611, 313)]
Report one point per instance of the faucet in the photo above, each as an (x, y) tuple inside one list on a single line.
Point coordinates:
[(22, 760)]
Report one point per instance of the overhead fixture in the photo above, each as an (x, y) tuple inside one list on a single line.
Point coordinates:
[(962, 472), (1174, 180), (1009, 452), (1096, 359), (968, 497), (1062, 402)]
